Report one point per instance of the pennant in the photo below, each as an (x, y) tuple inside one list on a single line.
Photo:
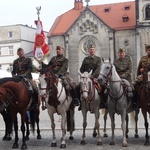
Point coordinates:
[(41, 48)]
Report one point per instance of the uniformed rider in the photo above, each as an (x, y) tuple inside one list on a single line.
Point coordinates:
[(123, 65), (59, 65), (22, 67)]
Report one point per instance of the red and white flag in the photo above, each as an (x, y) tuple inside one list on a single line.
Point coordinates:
[(41, 48)]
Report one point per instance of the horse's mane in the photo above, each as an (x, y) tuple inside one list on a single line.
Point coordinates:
[(7, 79)]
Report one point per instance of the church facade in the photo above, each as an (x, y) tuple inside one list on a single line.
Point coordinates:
[(109, 27)]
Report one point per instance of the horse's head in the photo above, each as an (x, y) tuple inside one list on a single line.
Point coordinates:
[(105, 72), (85, 84)]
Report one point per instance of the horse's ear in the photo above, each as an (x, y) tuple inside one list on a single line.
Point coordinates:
[(79, 73), (90, 72), (102, 59)]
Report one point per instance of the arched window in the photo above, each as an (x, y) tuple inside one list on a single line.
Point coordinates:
[(147, 12)]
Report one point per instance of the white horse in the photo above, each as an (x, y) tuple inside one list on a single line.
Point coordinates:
[(117, 99), (57, 102), (90, 101)]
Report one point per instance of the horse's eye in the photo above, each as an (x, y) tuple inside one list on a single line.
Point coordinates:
[(107, 67)]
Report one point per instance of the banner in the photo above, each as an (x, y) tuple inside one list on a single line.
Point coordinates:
[(41, 48)]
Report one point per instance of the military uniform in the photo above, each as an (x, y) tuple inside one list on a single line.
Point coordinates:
[(145, 60), (124, 67), (91, 63), (22, 66), (59, 65)]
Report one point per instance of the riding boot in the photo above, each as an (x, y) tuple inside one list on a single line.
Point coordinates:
[(35, 98)]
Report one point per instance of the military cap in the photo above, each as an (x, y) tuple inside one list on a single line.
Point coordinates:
[(121, 50), (91, 46), (147, 47), (59, 47)]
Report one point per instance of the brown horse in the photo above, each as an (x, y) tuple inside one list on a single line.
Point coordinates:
[(57, 102), (19, 100), (144, 99)]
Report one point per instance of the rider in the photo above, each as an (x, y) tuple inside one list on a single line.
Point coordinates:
[(59, 66), (145, 60), (123, 65), (22, 67), (91, 62)]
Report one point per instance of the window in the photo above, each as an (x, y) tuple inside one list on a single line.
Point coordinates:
[(0, 50), (127, 7), (0, 67), (10, 34), (10, 50), (147, 12), (106, 9)]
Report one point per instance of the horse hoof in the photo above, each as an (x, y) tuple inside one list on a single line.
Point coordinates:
[(124, 144), (39, 137), (83, 143), (136, 136), (112, 143), (71, 138), (63, 146), (23, 147), (105, 135), (9, 138), (4, 138), (99, 143), (15, 145), (53, 145), (94, 134), (146, 143)]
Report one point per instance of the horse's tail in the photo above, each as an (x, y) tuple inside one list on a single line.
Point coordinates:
[(32, 119)]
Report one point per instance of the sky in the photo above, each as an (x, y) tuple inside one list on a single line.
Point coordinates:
[(24, 11)]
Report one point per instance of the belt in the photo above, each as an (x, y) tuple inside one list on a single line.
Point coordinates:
[(21, 72)]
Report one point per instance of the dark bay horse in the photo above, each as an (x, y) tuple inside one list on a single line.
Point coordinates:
[(57, 102), (144, 98), (19, 100)]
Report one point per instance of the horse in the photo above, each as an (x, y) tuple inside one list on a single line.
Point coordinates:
[(19, 100), (53, 91), (117, 99), (144, 98), (90, 101)]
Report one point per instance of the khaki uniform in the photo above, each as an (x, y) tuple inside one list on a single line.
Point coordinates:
[(59, 65), (22, 66), (145, 60), (124, 67), (91, 63)]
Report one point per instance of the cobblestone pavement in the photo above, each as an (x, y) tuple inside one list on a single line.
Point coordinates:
[(45, 142)]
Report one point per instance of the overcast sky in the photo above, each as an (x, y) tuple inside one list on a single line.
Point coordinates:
[(24, 11)]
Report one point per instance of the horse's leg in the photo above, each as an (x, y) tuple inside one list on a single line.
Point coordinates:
[(136, 123), (127, 125), (105, 119), (15, 144), (23, 120), (123, 126), (27, 131), (146, 127), (37, 112), (63, 123), (84, 113), (8, 125), (53, 128), (97, 125), (72, 124), (112, 118)]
